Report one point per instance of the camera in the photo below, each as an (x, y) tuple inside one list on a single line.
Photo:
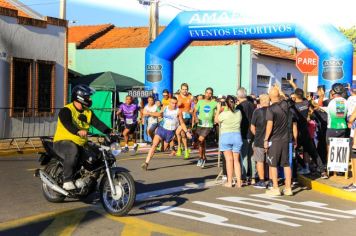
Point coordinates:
[(289, 76), (221, 100)]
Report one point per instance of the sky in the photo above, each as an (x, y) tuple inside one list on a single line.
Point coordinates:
[(125, 13)]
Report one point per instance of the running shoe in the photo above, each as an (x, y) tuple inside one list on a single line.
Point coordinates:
[(202, 163), (179, 152), (324, 175), (135, 148), (125, 149), (199, 162), (269, 185), (260, 184), (304, 171), (287, 192), (273, 192), (186, 154), (350, 188), (144, 166), (224, 178)]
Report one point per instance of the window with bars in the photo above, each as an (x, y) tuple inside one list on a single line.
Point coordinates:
[(21, 86), (45, 85), (263, 83)]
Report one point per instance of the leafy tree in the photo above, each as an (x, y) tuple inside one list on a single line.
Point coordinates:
[(350, 33)]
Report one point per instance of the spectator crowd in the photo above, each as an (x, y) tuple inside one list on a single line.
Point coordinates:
[(263, 139)]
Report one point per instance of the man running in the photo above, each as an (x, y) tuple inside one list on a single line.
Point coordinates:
[(172, 118), (150, 111), (204, 113), (184, 105), (129, 111)]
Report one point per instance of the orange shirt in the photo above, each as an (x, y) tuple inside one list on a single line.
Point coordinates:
[(186, 103)]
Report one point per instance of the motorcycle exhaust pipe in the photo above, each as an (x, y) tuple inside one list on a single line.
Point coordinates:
[(51, 183)]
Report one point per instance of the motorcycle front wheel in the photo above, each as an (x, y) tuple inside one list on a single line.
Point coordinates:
[(121, 203)]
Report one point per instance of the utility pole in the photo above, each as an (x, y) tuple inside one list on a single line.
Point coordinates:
[(154, 20), (62, 9)]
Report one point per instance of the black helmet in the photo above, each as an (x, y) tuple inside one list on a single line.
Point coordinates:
[(81, 93), (338, 88)]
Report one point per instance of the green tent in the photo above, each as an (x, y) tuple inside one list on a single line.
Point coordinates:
[(107, 86), (108, 81)]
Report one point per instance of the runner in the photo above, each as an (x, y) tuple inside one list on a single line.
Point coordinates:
[(184, 104), (172, 118), (151, 111), (129, 111), (204, 116), (165, 99)]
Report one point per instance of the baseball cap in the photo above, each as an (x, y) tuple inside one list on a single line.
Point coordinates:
[(165, 92)]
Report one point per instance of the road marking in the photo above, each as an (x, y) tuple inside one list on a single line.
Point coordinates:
[(66, 221), (37, 218), (137, 227), (65, 224), (201, 216), (145, 196)]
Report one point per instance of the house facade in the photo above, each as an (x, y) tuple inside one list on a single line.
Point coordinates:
[(33, 71)]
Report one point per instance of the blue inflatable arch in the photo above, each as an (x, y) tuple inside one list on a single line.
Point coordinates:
[(335, 51)]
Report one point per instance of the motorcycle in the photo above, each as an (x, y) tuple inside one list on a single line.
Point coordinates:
[(96, 164)]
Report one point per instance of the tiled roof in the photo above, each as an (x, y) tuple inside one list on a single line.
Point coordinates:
[(86, 33), (260, 46), (137, 37), (6, 4), (130, 37), (267, 49)]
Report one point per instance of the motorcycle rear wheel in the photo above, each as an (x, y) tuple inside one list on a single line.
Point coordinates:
[(55, 171), (122, 203)]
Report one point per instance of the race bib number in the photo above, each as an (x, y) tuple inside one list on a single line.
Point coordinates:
[(169, 125), (152, 120), (129, 121), (205, 124), (186, 115)]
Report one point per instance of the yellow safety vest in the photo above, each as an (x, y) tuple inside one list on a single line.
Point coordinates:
[(63, 134)]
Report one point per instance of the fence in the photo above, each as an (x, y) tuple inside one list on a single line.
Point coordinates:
[(28, 124)]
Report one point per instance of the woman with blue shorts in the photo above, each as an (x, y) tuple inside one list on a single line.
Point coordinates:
[(230, 138)]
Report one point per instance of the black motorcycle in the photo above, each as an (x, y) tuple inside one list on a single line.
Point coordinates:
[(96, 164)]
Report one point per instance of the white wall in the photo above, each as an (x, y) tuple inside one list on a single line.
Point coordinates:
[(275, 68), (31, 43)]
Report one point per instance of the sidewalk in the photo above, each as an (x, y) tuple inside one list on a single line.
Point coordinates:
[(332, 186)]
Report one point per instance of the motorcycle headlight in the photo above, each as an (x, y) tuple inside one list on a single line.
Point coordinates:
[(115, 149)]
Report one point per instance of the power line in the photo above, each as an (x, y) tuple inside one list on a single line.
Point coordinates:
[(283, 44)]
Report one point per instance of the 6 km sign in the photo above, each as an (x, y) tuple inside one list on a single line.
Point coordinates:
[(306, 61), (339, 154)]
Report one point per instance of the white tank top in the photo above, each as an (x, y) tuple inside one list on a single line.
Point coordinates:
[(170, 119)]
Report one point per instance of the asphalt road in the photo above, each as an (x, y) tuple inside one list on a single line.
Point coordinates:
[(175, 197)]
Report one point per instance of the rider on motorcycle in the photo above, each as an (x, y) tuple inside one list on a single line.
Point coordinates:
[(73, 124)]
